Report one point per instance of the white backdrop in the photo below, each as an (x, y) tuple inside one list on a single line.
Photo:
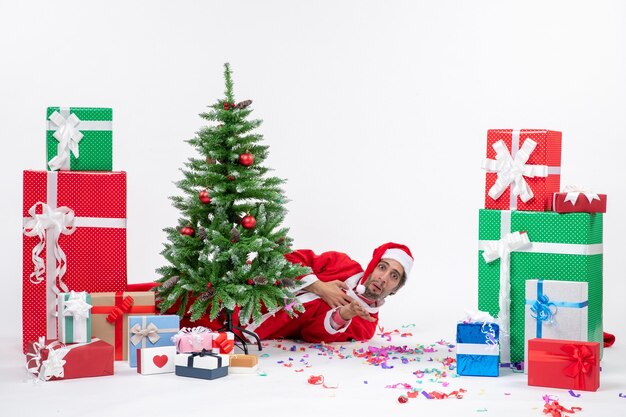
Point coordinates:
[(376, 114)]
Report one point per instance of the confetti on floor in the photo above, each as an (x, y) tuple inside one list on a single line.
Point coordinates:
[(573, 394)]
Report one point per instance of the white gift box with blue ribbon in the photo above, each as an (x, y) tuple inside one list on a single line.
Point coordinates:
[(555, 310)]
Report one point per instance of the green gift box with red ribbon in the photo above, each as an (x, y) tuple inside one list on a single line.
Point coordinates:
[(517, 246)]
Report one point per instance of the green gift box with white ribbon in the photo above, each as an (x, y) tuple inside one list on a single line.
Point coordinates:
[(79, 138), (74, 317), (516, 246)]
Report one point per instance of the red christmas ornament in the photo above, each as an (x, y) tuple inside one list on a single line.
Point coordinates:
[(248, 222), (204, 197), (209, 285), (277, 283), (231, 177), (249, 262), (250, 282), (246, 159), (188, 231), (229, 106)]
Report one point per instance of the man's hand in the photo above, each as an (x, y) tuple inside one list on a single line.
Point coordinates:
[(354, 309), (331, 292)]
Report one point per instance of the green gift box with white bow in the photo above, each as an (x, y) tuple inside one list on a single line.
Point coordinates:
[(79, 138), (516, 246), (74, 317)]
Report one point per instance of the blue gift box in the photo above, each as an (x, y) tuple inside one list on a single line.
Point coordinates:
[(150, 331), (477, 349)]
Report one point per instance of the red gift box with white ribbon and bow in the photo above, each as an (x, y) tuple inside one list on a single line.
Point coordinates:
[(575, 199), (523, 169), (74, 240), (50, 360)]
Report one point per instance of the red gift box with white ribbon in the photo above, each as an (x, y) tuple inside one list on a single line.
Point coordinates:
[(523, 169), (575, 199), (74, 239), (49, 360), (567, 364)]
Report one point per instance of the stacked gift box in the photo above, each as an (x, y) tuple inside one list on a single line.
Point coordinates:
[(74, 245), (540, 250), (202, 353), (77, 316)]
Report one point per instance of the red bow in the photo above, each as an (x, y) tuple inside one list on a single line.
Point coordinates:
[(225, 344), (582, 359), (119, 311)]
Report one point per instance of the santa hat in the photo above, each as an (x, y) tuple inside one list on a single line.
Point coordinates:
[(395, 251)]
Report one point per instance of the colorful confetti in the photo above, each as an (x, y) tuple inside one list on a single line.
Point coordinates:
[(316, 379), (573, 394), (556, 410), (400, 385)]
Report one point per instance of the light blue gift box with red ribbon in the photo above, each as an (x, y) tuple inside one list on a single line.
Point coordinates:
[(556, 310), (477, 349)]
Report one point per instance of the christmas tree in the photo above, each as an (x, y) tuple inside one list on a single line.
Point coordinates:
[(228, 249)]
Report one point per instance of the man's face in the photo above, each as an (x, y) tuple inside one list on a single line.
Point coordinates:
[(384, 279)]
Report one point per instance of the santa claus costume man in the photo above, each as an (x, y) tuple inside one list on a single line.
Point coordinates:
[(341, 300)]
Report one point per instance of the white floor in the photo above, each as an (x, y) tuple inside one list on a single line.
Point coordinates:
[(281, 389)]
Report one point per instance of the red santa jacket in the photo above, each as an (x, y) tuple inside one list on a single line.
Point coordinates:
[(314, 324)]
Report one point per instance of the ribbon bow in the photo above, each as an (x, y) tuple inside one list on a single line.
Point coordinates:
[(582, 360), (513, 170), (490, 335), (151, 332), (197, 335), (77, 306), (119, 311), (56, 221), (478, 316), (503, 247), (543, 309), (52, 366), (68, 136), (574, 191), (223, 342), (202, 353)]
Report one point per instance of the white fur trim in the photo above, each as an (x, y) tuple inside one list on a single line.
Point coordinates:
[(401, 256), (329, 328)]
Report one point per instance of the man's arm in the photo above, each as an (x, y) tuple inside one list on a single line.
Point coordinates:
[(329, 270), (321, 328)]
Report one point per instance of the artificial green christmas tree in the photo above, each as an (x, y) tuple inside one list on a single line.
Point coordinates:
[(228, 248)]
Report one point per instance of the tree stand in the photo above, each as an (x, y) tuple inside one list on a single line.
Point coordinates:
[(229, 327)]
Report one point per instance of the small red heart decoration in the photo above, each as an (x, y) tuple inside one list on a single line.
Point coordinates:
[(160, 360)]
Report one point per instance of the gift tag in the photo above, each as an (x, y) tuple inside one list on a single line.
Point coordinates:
[(156, 360)]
